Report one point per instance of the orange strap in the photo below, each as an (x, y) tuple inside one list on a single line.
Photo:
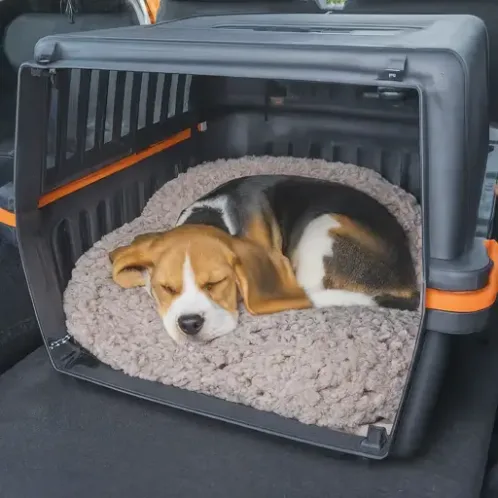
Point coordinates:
[(470, 301)]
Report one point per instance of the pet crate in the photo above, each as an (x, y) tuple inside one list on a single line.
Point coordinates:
[(107, 117)]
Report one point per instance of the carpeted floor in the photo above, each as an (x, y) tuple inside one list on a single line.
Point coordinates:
[(62, 437)]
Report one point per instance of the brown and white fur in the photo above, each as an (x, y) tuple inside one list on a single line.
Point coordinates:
[(278, 242)]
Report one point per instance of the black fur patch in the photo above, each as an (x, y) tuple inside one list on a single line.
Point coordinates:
[(401, 303)]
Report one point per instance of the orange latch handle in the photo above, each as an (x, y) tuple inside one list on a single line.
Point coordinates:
[(469, 301)]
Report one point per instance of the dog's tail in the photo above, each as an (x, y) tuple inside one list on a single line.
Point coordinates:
[(410, 302)]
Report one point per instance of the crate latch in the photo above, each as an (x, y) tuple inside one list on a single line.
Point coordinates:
[(47, 53), (375, 440), (395, 70)]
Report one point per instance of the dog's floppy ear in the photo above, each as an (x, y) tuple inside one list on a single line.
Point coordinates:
[(266, 280), (130, 262)]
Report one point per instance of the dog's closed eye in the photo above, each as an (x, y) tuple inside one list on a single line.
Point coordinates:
[(211, 285), (138, 269), (170, 290)]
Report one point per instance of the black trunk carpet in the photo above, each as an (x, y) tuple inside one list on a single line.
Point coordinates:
[(62, 437), (19, 333)]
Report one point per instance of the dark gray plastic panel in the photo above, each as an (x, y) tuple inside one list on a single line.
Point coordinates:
[(447, 322), (487, 204)]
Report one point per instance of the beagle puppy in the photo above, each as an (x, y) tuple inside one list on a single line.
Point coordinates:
[(279, 242)]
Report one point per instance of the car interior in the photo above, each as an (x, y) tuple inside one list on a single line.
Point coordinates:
[(60, 437)]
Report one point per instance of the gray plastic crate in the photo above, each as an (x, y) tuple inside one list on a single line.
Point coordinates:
[(403, 95)]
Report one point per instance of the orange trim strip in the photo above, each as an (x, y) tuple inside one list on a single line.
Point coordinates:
[(106, 171), (471, 301), (7, 218)]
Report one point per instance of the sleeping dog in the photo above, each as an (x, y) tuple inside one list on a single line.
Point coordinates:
[(278, 242)]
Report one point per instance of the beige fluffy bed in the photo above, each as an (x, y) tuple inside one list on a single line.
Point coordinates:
[(342, 368)]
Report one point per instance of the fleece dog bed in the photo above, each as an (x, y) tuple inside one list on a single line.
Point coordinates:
[(342, 368)]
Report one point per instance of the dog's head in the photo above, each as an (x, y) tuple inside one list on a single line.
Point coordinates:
[(195, 273)]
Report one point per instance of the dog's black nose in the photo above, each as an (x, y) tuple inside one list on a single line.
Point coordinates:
[(191, 324)]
